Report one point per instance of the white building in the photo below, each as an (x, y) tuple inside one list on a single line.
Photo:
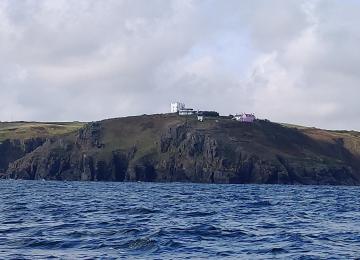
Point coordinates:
[(176, 107), (186, 112), (201, 118), (243, 117)]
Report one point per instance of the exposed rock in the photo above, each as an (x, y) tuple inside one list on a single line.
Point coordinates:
[(11, 150), (172, 148)]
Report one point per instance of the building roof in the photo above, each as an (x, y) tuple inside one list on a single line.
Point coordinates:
[(246, 115)]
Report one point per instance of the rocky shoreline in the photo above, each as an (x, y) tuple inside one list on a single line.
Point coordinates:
[(169, 148)]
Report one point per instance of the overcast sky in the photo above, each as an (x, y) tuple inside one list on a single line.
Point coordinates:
[(288, 61)]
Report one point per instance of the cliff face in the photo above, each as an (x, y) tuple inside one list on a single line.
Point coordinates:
[(172, 148), (11, 150)]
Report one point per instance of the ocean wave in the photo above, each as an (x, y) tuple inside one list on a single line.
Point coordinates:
[(176, 221)]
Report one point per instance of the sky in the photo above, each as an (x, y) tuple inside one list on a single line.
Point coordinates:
[(294, 61)]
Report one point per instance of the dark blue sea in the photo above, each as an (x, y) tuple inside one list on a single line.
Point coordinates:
[(88, 220)]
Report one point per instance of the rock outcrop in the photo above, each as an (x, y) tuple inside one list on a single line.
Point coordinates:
[(170, 148), (13, 149)]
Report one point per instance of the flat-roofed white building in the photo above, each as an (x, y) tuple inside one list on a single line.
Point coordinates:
[(186, 112), (176, 107)]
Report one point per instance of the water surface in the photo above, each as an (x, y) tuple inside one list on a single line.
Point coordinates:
[(87, 220)]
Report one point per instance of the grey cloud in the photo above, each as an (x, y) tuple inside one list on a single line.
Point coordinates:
[(291, 61)]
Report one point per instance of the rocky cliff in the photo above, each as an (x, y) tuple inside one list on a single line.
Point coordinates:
[(172, 148), (13, 149)]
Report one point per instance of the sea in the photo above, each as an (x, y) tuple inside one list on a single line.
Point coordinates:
[(104, 220)]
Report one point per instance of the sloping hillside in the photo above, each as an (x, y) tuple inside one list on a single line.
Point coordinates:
[(27, 130), (168, 147), (19, 138)]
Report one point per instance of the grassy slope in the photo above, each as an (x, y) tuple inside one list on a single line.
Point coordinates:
[(349, 139), (143, 131), (307, 146), (25, 130)]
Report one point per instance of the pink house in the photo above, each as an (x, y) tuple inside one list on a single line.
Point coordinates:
[(243, 117)]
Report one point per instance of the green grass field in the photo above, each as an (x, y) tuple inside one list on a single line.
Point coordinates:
[(25, 130)]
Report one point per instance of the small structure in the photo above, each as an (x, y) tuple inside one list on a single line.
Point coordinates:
[(186, 112), (200, 117), (182, 110), (176, 107), (243, 117)]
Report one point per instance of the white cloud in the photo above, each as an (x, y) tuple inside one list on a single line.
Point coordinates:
[(311, 78), (291, 61)]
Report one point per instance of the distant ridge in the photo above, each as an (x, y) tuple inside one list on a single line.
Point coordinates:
[(169, 147)]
